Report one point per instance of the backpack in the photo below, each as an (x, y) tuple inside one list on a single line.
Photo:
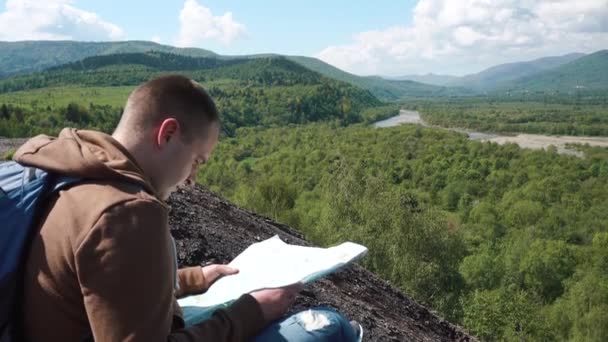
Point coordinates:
[(23, 191)]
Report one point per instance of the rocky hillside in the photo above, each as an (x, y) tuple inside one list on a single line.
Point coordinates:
[(210, 229)]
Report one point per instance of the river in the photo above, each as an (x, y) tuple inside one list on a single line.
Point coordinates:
[(531, 141)]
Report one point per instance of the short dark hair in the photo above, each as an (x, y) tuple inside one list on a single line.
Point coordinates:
[(170, 96)]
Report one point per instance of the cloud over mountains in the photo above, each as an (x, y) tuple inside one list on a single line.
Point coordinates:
[(464, 36)]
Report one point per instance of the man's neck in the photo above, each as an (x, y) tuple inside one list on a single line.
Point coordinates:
[(140, 151)]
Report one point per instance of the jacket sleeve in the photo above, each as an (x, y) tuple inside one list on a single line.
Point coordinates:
[(124, 266)]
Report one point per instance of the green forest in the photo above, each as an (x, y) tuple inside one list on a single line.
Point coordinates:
[(511, 243)]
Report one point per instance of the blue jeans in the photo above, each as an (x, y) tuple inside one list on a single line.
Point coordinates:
[(318, 324)]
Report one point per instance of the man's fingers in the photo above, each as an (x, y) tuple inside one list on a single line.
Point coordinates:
[(213, 272), (222, 270), (226, 270)]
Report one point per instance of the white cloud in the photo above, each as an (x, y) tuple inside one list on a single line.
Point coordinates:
[(461, 36), (197, 24), (53, 20), (156, 39)]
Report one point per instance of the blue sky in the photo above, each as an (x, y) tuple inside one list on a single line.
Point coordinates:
[(382, 37), (286, 27)]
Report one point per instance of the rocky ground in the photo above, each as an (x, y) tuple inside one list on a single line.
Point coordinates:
[(210, 229), (9, 145)]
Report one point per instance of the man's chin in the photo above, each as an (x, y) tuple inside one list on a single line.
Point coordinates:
[(165, 195), (168, 193)]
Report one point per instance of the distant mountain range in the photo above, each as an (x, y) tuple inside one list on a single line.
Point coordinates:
[(568, 73), (382, 88), (585, 74), (499, 75), (434, 79)]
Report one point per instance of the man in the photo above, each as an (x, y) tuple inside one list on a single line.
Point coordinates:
[(103, 264)]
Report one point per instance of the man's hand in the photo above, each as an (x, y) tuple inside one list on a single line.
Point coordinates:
[(214, 272), (276, 302)]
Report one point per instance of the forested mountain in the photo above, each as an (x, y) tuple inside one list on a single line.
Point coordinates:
[(28, 56), (585, 74), (249, 92), (571, 73), (491, 78), (24, 57)]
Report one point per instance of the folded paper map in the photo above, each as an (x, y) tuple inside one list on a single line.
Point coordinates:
[(271, 264)]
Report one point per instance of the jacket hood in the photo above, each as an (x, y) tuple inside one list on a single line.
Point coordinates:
[(81, 153)]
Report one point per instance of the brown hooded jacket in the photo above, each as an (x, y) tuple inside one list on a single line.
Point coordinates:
[(103, 261)]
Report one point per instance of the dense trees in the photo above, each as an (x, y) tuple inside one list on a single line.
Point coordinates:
[(509, 242), (16, 121)]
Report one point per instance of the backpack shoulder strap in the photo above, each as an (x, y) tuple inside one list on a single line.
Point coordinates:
[(62, 182)]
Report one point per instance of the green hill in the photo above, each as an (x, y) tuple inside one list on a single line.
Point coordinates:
[(249, 92), (134, 68), (586, 74), (29, 56)]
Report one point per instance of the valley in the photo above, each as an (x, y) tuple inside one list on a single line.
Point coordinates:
[(478, 197), (531, 141)]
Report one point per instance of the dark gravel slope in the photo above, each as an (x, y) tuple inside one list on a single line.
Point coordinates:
[(210, 229)]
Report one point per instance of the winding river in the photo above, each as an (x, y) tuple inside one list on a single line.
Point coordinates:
[(532, 141)]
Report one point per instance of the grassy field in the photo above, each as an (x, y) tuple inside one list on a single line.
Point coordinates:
[(62, 96)]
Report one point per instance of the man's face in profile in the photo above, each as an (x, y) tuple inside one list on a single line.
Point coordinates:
[(183, 158)]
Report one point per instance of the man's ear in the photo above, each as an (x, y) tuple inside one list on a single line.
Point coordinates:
[(169, 129)]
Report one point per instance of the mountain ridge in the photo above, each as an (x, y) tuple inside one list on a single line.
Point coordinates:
[(491, 78), (588, 73), (34, 56), (429, 78), (20, 58), (16, 57)]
